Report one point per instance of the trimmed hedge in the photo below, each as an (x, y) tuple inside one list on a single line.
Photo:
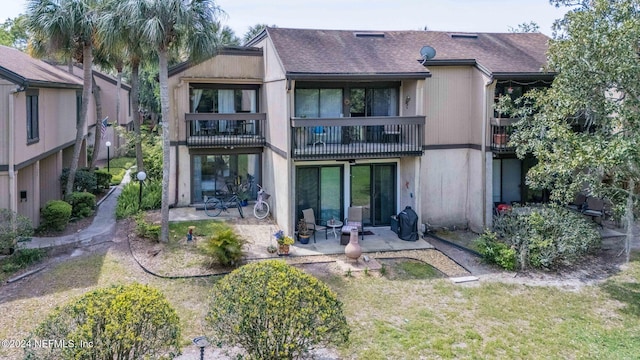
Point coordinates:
[(103, 179), (56, 215), (82, 203)]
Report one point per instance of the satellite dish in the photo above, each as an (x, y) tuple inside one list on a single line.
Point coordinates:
[(427, 53)]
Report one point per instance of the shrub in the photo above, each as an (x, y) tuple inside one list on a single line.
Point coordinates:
[(85, 180), (82, 204), (12, 227), (120, 322), (128, 200), (496, 252), (224, 246), (103, 179), (547, 236), (55, 215), (275, 311), (22, 259), (145, 229)]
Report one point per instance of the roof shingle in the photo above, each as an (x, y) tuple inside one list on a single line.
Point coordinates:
[(13, 61)]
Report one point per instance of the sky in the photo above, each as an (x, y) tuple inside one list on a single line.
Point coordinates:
[(442, 15)]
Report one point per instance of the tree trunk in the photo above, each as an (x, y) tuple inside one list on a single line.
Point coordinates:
[(629, 223), (135, 106), (97, 138), (164, 105), (87, 55), (118, 102)]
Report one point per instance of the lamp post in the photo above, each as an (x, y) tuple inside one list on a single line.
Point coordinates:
[(201, 342), (108, 143), (141, 176)]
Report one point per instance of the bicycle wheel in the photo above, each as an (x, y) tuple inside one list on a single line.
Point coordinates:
[(240, 209), (213, 207), (261, 210)]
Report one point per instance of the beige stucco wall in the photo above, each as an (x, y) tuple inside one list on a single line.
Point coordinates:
[(108, 95)]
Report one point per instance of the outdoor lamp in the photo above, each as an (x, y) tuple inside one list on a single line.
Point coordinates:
[(201, 342), (108, 143), (141, 177)]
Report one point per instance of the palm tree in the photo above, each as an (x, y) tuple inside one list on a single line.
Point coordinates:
[(171, 25), (67, 26)]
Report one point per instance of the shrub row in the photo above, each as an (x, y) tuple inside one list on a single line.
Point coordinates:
[(87, 180), (128, 200), (544, 237)]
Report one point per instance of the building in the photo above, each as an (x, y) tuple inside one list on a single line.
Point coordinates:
[(40, 108), (329, 119)]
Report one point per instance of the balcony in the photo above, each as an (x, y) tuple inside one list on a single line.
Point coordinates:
[(225, 130), (357, 137), (501, 130)]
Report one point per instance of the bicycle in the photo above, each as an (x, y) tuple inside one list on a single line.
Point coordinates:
[(261, 208), (214, 206)]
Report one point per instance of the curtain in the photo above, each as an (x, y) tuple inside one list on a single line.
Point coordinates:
[(196, 95), (225, 106), (197, 179), (249, 105)]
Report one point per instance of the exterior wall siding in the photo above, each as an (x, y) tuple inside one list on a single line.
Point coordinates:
[(5, 93)]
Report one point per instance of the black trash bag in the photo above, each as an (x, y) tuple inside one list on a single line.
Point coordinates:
[(408, 223)]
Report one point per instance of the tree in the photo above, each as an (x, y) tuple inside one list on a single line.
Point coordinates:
[(530, 27), (275, 311), (168, 25), (226, 35), (585, 129), (120, 322), (253, 32), (67, 26), (13, 32)]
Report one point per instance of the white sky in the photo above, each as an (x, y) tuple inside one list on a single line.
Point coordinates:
[(447, 15)]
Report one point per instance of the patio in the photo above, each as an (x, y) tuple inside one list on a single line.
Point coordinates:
[(259, 234)]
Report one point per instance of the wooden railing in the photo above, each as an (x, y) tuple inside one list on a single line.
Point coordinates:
[(357, 137), (224, 130)]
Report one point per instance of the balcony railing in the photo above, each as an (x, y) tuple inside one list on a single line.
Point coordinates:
[(225, 130), (357, 137), (501, 130)]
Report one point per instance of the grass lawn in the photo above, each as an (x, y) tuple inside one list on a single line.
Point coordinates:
[(407, 317), (118, 167)]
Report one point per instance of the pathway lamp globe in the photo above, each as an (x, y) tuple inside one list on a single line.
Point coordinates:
[(108, 143), (141, 177)]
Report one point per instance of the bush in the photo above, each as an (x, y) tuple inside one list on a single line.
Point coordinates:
[(224, 246), (12, 227), (496, 252), (275, 311), (21, 259), (55, 215), (145, 229), (82, 204), (120, 322), (85, 180), (128, 200), (547, 236), (103, 179)]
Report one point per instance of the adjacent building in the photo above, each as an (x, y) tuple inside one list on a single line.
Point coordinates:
[(328, 119)]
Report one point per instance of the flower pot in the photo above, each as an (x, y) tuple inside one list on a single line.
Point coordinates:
[(500, 139), (303, 239), (283, 250)]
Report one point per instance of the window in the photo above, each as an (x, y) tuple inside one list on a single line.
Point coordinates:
[(373, 102), (78, 106), (319, 103), (203, 98), (32, 116)]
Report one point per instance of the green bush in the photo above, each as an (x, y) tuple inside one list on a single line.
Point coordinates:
[(12, 227), (21, 259), (496, 252), (145, 229), (103, 179), (275, 311), (128, 200), (82, 204), (85, 180), (55, 215), (120, 322), (224, 246), (547, 236)]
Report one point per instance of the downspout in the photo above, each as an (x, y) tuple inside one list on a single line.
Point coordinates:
[(485, 129), (13, 203)]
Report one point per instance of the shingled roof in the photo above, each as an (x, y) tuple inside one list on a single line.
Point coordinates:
[(347, 52), (26, 71)]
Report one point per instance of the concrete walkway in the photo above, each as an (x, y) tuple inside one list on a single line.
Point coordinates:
[(101, 229)]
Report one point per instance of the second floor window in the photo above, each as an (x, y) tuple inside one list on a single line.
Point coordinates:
[(205, 98), (32, 116), (319, 103)]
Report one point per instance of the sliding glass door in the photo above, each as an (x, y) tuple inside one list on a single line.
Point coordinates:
[(373, 186), (319, 188)]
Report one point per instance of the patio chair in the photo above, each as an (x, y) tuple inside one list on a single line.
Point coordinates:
[(391, 134), (310, 218), (319, 135), (353, 219), (579, 203)]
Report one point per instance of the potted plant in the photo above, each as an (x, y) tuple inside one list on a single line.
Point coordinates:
[(303, 232), (284, 242), (243, 197)]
